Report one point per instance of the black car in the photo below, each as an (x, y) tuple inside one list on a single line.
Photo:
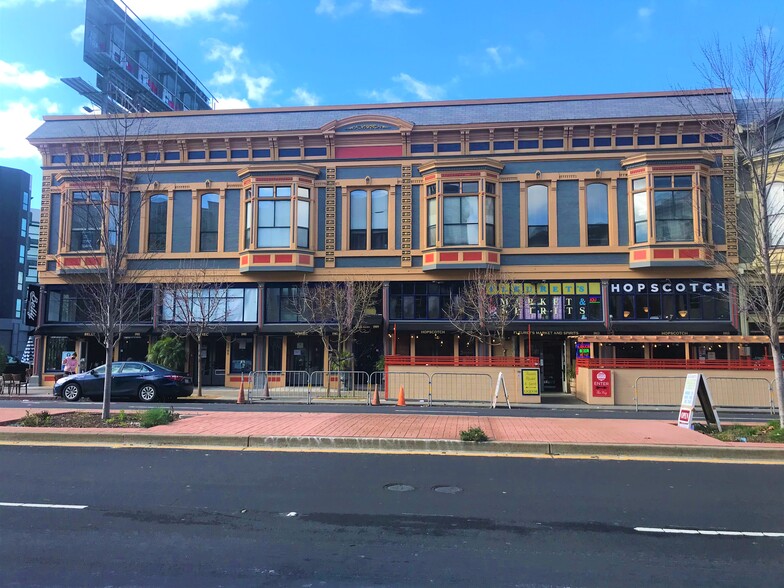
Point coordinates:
[(15, 366), (140, 380)]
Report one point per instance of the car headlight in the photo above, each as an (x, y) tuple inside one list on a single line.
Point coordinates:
[(60, 381)]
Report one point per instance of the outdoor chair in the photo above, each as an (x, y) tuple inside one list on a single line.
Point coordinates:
[(12, 382)]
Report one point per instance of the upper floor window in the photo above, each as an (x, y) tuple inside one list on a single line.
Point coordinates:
[(23, 232), (159, 213), (598, 214), (640, 210), (775, 210), (303, 217), (538, 216), (672, 197), (248, 218), (208, 228), (86, 221), (460, 213), (274, 227), (369, 220)]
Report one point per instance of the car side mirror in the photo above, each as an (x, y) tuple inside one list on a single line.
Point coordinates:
[(93, 373)]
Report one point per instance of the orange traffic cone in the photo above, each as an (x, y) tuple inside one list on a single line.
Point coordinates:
[(401, 397), (241, 395), (375, 401)]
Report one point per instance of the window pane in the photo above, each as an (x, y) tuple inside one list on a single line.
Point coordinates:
[(266, 213), (490, 221), (537, 205), (266, 192), (303, 193), (451, 187), (469, 208), (598, 224), (640, 217), (432, 220), (470, 187), (451, 210), (638, 184), (490, 187), (209, 222), (283, 191), (303, 213), (282, 214), (431, 189), (775, 202), (673, 215), (683, 181), (358, 209), (379, 200), (273, 237), (251, 305), (538, 236), (662, 182), (159, 206)]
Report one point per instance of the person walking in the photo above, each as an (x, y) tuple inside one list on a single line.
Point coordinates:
[(69, 365)]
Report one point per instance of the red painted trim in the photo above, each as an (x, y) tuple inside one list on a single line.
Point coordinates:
[(263, 179), (493, 257), (72, 261), (663, 254), (430, 257), (244, 260), (672, 364), (640, 254), (304, 259), (451, 256), (262, 258), (461, 361), (472, 256), (689, 253), (368, 151), (92, 261), (281, 258)]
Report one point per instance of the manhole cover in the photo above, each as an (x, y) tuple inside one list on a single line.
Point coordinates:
[(447, 489), (398, 487)]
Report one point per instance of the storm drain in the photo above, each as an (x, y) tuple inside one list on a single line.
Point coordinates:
[(447, 489), (399, 488)]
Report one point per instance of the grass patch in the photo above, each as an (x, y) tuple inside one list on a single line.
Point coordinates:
[(156, 416), (475, 434), (36, 419), (767, 433)]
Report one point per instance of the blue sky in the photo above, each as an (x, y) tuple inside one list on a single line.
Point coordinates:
[(304, 52)]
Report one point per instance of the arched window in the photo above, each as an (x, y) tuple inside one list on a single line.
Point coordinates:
[(363, 216), (159, 212), (775, 202), (538, 217), (598, 214), (208, 228)]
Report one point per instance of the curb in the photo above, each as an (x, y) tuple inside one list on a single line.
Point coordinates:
[(445, 446)]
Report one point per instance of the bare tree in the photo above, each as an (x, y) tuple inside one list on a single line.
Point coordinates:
[(335, 311), (195, 306), (106, 188), (755, 74), (485, 306)]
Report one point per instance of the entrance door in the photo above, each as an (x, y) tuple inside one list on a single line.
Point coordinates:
[(305, 354), (213, 353), (550, 354)]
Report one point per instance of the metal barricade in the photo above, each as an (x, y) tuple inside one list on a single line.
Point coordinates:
[(658, 391), (416, 386), (458, 387), (283, 386), (742, 392), (340, 385)]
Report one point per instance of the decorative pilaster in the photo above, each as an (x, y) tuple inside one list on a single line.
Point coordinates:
[(730, 208), (43, 231), (330, 208), (405, 216)]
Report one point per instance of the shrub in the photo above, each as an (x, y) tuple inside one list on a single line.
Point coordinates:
[(475, 434), (156, 416), (168, 352), (119, 419), (36, 419)]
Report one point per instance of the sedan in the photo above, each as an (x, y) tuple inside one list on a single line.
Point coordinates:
[(144, 381)]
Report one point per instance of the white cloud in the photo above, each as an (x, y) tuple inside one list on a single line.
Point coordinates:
[(14, 75), (18, 120), (382, 96), (393, 7), (257, 87), (302, 96), (77, 35), (503, 57), (418, 88), (331, 8), (229, 55), (183, 12), (228, 103), (644, 13)]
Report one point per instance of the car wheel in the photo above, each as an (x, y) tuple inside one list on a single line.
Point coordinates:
[(72, 392), (148, 393)]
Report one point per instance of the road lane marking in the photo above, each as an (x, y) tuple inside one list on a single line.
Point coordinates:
[(34, 505), (707, 532)]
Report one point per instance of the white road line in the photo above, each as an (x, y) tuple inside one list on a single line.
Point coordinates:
[(707, 532), (34, 505)]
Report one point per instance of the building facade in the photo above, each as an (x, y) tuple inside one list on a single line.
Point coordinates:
[(14, 242), (607, 212)]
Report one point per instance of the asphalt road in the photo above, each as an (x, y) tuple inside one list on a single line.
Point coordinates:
[(194, 518), (552, 411)]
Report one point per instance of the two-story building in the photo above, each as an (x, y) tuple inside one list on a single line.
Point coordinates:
[(608, 212)]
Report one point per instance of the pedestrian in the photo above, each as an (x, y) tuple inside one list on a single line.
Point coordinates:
[(69, 365)]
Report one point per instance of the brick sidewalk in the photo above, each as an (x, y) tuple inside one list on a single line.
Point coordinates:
[(404, 426)]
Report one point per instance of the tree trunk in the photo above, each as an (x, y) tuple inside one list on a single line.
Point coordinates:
[(107, 384), (775, 347), (199, 365)]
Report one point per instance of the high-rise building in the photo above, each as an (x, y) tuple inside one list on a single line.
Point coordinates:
[(14, 243)]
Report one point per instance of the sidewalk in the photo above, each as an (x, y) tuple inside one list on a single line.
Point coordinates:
[(409, 433), (209, 394)]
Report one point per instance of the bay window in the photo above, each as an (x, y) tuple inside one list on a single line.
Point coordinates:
[(640, 210), (460, 213), (672, 197), (282, 216), (461, 220)]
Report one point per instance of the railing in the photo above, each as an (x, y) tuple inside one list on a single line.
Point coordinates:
[(460, 361), (676, 364), (753, 392)]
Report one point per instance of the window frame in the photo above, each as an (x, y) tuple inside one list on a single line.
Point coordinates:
[(588, 208), (300, 202), (163, 244), (438, 191), (674, 191), (528, 224), (95, 202), (217, 231), (368, 234)]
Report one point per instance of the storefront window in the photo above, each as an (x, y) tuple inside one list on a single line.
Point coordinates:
[(241, 360), (55, 348)]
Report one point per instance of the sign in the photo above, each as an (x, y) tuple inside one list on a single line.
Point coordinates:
[(667, 286), (32, 304), (500, 384), (530, 378), (583, 349), (601, 383), (696, 388)]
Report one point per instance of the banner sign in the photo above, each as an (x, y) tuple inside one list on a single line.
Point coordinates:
[(32, 305), (530, 381), (601, 383), (668, 286)]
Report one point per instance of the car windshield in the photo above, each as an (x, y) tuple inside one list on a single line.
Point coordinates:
[(101, 370)]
